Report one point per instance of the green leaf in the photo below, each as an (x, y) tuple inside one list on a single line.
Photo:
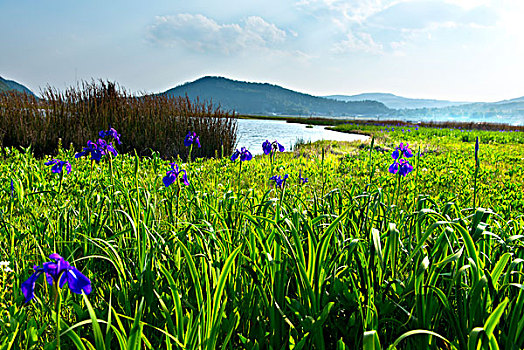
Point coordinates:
[(99, 338), (417, 332), (135, 335), (371, 341), (494, 318), (499, 268)]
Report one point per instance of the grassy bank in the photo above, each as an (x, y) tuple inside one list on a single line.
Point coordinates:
[(363, 123), (356, 257)]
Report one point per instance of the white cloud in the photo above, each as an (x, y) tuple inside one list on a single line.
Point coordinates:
[(512, 25), (200, 33), (345, 12), (469, 4), (430, 14), (358, 43), (373, 25)]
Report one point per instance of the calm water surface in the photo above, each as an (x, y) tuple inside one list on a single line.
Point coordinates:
[(253, 132)]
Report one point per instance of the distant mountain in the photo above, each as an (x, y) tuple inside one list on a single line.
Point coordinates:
[(3, 86), (507, 111), (6, 85), (267, 99), (513, 100), (397, 102)]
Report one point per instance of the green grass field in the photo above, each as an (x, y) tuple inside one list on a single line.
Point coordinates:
[(356, 257)]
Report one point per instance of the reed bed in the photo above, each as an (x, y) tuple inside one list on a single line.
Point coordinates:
[(148, 123), (393, 122)]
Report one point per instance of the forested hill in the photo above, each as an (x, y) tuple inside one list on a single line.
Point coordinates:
[(6, 85), (267, 99)]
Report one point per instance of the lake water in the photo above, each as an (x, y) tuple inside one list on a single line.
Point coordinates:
[(253, 132)]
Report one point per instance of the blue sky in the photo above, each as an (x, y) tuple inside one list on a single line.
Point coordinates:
[(464, 50)]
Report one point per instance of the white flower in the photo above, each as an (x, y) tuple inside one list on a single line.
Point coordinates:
[(4, 265)]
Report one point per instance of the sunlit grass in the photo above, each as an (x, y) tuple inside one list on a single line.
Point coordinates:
[(231, 261)]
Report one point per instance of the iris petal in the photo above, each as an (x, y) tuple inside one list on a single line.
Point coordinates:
[(188, 140), (266, 147), (169, 179), (77, 281), (28, 286), (395, 154), (393, 168)]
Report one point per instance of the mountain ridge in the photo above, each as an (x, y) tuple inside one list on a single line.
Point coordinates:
[(7, 85), (268, 99), (251, 98), (398, 102), (264, 98)]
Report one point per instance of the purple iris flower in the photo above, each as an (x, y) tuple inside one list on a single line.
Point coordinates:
[(268, 147), (404, 167), (171, 175), (91, 149), (111, 132), (243, 153), (106, 147), (402, 150), (12, 189), (477, 150), (97, 150), (301, 179), (280, 182), (401, 165), (191, 138), (58, 271), (393, 168), (58, 165)]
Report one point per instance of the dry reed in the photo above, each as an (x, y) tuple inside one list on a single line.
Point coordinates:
[(147, 123)]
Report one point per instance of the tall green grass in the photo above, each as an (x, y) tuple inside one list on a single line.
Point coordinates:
[(339, 262)]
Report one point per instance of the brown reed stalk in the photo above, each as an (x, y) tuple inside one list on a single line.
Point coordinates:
[(146, 122)]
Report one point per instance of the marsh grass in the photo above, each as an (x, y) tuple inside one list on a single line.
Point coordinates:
[(148, 123), (230, 261), (393, 122)]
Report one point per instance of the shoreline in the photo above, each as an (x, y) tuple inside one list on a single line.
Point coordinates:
[(389, 122)]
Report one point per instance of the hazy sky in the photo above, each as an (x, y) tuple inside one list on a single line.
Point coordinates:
[(463, 50)]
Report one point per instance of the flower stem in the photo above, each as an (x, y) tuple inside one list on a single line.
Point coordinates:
[(60, 184), (238, 177), (475, 187), (58, 306), (177, 203), (398, 191)]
